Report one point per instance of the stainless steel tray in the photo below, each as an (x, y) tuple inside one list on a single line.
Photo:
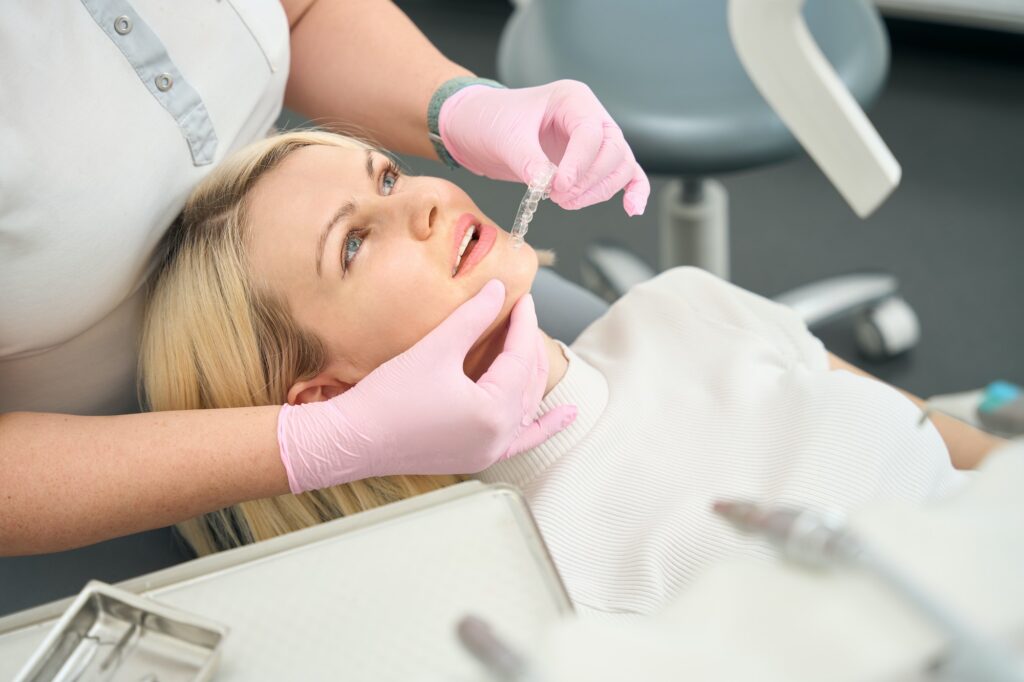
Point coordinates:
[(108, 634)]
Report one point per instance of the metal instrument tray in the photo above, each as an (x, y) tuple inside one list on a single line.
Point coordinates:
[(110, 634)]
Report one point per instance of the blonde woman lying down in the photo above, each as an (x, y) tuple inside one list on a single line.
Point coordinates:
[(309, 260)]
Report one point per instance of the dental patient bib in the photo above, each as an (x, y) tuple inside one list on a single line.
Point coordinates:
[(689, 390)]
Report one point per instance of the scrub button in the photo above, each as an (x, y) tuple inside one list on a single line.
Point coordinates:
[(164, 82), (123, 25)]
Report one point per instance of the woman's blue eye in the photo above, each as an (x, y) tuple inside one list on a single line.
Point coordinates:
[(389, 182), (352, 244)]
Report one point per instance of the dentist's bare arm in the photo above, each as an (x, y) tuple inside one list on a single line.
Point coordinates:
[(967, 445), (365, 65), (68, 481)]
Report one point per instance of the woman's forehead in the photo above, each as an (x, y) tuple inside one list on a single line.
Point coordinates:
[(308, 177), (288, 206), (323, 160)]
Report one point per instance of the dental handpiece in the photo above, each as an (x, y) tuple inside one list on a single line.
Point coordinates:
[(825, 541), (539, 188), (804, 536)]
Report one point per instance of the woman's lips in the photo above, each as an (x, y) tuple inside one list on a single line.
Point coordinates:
[(462, 225), (487, 235)]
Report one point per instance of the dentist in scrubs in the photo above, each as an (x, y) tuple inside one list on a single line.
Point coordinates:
[(113, 110)]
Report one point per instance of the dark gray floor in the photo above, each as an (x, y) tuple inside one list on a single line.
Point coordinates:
[(953, 113)]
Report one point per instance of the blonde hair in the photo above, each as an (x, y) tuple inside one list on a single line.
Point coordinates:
[(212, 338)]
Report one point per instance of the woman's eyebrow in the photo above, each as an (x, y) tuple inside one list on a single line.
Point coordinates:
[(369, 164), (344, 211)]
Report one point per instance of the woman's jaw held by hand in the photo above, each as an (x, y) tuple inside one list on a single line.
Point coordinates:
[(363, 258)]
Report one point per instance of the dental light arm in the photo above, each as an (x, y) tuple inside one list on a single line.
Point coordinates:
[(793, 76)]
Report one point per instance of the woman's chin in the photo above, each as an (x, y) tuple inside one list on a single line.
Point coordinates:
[(522, 265), (516, 268)]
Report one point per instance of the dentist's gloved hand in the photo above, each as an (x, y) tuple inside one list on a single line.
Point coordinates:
[(507, 135), (420, 414)]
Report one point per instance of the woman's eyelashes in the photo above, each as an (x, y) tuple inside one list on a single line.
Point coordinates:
[(353, 241), (387, 180), (391, 173)]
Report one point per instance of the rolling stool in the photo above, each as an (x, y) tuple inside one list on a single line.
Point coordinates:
[(667, 72)]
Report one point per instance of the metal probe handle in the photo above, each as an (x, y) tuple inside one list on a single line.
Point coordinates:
[(500, 659)]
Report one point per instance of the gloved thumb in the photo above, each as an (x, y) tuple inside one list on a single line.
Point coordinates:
[(547, 425), (460, 330), (522, 355)]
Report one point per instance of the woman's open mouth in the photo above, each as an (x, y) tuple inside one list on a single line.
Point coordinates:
[(474, 241)]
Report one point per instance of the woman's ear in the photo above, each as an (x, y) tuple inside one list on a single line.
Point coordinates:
[(321, 387)]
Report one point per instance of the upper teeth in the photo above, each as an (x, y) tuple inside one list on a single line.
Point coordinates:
[(462, 247)]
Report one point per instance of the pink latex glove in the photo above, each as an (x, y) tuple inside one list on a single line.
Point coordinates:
[(507, 135), (419, 413)]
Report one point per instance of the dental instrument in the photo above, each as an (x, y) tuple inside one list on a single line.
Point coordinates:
[(824, 541), (111, 633), (538, 189)]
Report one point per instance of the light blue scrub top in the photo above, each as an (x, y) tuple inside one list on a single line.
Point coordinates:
[(112, 111)]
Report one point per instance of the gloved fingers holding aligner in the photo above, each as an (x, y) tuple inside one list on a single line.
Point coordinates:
[(611, 169), (503, 133), (581, 150), (597, 163)]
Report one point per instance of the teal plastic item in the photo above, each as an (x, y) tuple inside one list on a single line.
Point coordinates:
[(997, 394), (1002, 409)]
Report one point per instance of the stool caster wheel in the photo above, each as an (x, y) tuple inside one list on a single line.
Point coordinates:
[(887, 329)]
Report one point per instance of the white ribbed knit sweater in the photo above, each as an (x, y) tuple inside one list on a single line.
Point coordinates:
[(689, 390)]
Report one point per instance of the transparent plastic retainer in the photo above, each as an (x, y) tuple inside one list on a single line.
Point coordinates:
[(539, 188)]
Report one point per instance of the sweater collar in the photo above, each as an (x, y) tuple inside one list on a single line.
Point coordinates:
[(584, 386)]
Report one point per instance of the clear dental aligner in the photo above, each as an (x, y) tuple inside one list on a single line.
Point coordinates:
[(539, 188)]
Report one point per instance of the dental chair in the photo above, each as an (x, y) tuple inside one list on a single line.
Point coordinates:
[(668, 73)]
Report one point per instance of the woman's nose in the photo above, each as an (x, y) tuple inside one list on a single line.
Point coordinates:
[(424, 214)]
